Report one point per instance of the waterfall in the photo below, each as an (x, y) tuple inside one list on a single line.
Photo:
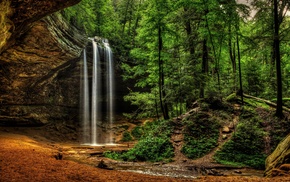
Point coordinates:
[(93, 119), (110, 88), (95, 93), (85, 101)]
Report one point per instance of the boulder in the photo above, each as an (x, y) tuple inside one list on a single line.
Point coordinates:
[(275, 163)]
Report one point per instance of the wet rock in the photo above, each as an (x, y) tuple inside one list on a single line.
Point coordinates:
[(58, 156), (103, 165), (238, 171), (213, 172)]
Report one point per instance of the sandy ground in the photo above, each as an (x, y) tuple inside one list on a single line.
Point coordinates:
[(25, 159)]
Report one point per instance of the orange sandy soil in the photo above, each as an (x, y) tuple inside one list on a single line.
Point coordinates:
[(23, 159)]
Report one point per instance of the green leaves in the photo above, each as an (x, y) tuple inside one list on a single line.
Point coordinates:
[(246, 146), (154, 145), (201, 134)]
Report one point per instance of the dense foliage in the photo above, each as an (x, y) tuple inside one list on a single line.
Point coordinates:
[(201, 135), (154, 144), (178, 51), (247, 146)]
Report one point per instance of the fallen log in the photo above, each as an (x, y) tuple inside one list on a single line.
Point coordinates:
[(265, 101)]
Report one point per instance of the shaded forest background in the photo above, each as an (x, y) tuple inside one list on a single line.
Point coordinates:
[(177, 51)]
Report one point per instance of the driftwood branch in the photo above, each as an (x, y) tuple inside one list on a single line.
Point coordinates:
[(265, 101)]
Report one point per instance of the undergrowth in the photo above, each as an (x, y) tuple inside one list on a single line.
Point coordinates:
[(201, 135), (256, 135), (246, 147), (154, 145)]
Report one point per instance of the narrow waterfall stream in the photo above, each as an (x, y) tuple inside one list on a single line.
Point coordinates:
[(85, 100), (96, 121), (110, 88)]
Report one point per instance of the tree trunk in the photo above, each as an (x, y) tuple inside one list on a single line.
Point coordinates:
[(240, 69), (279, 111), (188, 30), (125, 19), (163, 106), (204, 69)]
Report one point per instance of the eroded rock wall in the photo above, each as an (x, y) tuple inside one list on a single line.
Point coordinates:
[(40, 74), (18, 16)]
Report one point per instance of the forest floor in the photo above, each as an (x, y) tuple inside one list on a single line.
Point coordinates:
[(26, 156)]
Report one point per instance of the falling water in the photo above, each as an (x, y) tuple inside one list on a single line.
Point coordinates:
[(95, 93), (110, 88), (91, 117), (85, 101)]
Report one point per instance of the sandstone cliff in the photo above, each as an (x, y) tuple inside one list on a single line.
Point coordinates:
[(39, 63)]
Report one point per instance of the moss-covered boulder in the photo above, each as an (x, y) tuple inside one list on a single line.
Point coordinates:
[(280, 156)]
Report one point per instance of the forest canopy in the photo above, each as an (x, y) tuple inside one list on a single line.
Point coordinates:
[(177, 51)]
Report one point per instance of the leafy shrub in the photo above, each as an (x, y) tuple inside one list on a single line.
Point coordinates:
[(137, 132), (154, 145), (150, 148), (127, 137), (246, 146), (201, 134), (112, 155)]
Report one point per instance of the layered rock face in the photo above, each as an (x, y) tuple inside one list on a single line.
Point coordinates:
[(17, 16), (39, 63), (278, 163)]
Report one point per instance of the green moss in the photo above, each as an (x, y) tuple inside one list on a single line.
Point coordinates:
[(232, 98), (252, 103)]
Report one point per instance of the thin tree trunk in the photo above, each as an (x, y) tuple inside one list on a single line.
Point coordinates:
[(240, 69), (204, 69), (125, 20), (156, 109), (188, 30), (213, 47), (231, 52), (279, 111), (163, 106)]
